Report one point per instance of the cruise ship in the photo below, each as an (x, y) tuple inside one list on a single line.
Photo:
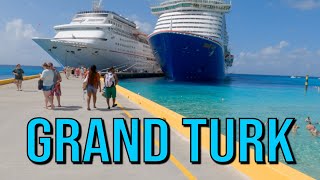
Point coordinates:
[(190, 40), (101, 38)]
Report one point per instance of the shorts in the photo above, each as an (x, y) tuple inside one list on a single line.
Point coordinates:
[(57, 91), (91, 89), (47, 88), (111, 92)]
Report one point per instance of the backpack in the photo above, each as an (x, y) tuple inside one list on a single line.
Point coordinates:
[(110, 81)]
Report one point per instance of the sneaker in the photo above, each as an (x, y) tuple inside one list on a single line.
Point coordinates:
[(115, 105)]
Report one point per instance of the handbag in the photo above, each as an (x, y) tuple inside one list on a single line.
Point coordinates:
[(40, 84)]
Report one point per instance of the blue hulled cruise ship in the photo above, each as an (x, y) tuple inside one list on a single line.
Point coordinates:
[(190, 40)]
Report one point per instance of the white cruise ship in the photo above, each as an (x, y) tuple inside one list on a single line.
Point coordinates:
[(190, 40), (101, 38)]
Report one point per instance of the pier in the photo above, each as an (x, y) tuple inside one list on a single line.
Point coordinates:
[(18, 108)]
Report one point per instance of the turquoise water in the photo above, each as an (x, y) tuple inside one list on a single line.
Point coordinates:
[(246, 96), (6, 70)]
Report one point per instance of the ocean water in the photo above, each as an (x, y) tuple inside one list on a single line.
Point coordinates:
[(246, 96), (6, 70)]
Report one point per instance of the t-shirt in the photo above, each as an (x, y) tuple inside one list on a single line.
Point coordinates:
[(19, 73), (110, 80), (47, 76)]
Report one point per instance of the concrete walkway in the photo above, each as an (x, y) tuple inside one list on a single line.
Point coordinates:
[(18, 108)]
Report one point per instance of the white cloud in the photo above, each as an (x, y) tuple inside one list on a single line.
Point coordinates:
[(18, 30), (304, 4), (300, 52), (278, 59), (143, 26), (267, 51), (17, 46)]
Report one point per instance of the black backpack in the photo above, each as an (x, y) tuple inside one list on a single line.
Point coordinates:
[(40, 84)]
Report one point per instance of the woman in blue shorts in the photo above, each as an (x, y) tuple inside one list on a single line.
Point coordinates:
[(47, 78)]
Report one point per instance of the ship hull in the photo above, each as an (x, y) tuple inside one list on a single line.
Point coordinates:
[(76, 54), (187, 57)]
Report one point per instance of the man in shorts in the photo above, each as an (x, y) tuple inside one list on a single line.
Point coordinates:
[(18, 76), (57, 84), (111, 80)]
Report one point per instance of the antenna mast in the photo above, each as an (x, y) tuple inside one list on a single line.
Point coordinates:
[(97, 5)]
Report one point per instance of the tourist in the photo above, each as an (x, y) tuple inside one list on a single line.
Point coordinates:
[(47, 77), (18, 77), (73, 72), (310, 126), (82, 73), (79, 73), (111, 80), (315, 132), (295, 128), (92, 82), (68, 72), (57, 84), (308, 119)]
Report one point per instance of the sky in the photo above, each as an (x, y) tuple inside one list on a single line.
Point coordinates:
[(276, 37)]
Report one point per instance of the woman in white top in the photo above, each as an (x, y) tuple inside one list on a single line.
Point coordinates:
[(47, 78)]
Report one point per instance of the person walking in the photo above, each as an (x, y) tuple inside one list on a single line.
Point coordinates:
[(47, 77), (68, 72), (57, 84), (111, 81), (18, 76), (92, 82)]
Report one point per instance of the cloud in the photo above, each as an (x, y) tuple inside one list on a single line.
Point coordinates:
[(18, 30), (278, 59), (17, 46), (272, 50), (304, 4), (143, 26), (267, 51)]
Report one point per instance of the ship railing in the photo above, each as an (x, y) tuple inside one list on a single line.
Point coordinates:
[(157, 10), (75, 44), (117, 68), (196, 1), (129, 67)]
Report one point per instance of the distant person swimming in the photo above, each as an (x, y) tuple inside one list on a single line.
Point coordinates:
[(308, 119), (18, 76), (313, 130), (295, 128), (310, 126)]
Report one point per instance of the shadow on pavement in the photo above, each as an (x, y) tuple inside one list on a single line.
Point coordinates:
[(117, 109), (68, 108)]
